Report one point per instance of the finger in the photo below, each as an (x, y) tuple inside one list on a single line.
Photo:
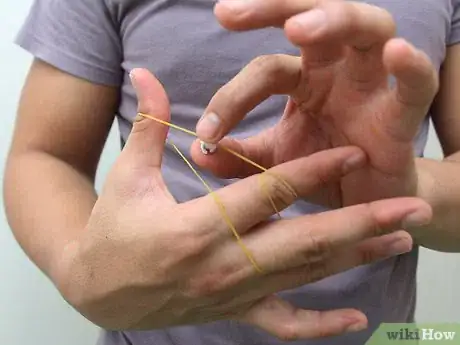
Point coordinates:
[(310, 239), (256, 198), (146, 141), (241, 15), (367, 252), (261, 150), (346, 258), (356, 24), (372, 250), (288, 323), (224, 164), (416, 86), (263, 77), (363, 27)]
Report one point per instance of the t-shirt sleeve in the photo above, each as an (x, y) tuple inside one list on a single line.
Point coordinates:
[(454, 35), (79, 37)]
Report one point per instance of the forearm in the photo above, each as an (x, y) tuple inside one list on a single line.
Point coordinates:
[(440, 186), (48, 203)]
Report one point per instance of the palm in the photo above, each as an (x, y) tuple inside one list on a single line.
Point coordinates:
[(340, 114)]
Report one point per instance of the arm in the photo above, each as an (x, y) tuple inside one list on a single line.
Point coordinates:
[(58, 139), (440, 181), (66, 110)]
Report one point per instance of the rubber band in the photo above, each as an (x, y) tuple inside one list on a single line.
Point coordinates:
[(264, 188), (214, 195), (225, 216), (185, 130)]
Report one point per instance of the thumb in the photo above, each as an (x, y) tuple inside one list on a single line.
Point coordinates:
[(145, 144)]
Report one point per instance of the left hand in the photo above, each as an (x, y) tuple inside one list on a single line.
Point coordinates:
[(339, 92)]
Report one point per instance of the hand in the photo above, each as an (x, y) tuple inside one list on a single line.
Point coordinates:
[(146, 262), (339, 96)]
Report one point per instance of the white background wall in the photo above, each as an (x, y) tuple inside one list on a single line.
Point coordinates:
[(32, 312)]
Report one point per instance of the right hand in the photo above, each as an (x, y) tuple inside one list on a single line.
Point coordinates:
[(145, 262)]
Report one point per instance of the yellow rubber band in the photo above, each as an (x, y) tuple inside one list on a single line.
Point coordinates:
[(264, 188), (222, 210), (214, 195)]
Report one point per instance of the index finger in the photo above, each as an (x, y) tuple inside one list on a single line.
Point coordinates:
[(240, 15), (263, 77), (313, 239)]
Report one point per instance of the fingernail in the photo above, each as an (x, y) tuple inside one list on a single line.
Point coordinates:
[(399, 247), (415, 219), (355, 323), (132, 77), (207, 148), (311, 21), (353, 162), (356, 327), (235, 5), (139, 118), (208, 127), (132, 74)]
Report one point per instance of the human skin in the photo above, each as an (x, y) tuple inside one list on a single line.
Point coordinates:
[(340, 95), (132, 258)]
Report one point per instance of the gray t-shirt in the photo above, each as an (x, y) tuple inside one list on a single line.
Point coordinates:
[(182, 43)]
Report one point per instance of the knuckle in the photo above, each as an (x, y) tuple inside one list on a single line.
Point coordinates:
[(373, 225), (389, 28), (318, 248), (200, 287), (280, 194), (367, 256), (322, 328), (184, 253), (269, 66), (325, 173), (195, 246), (266, 62), (319, 270), (140, 124), (224, 95), (212, 283), (318, 324), (196, 232)]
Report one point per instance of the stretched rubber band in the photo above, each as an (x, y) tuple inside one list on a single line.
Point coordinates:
[(220, 204), (225, 216)]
